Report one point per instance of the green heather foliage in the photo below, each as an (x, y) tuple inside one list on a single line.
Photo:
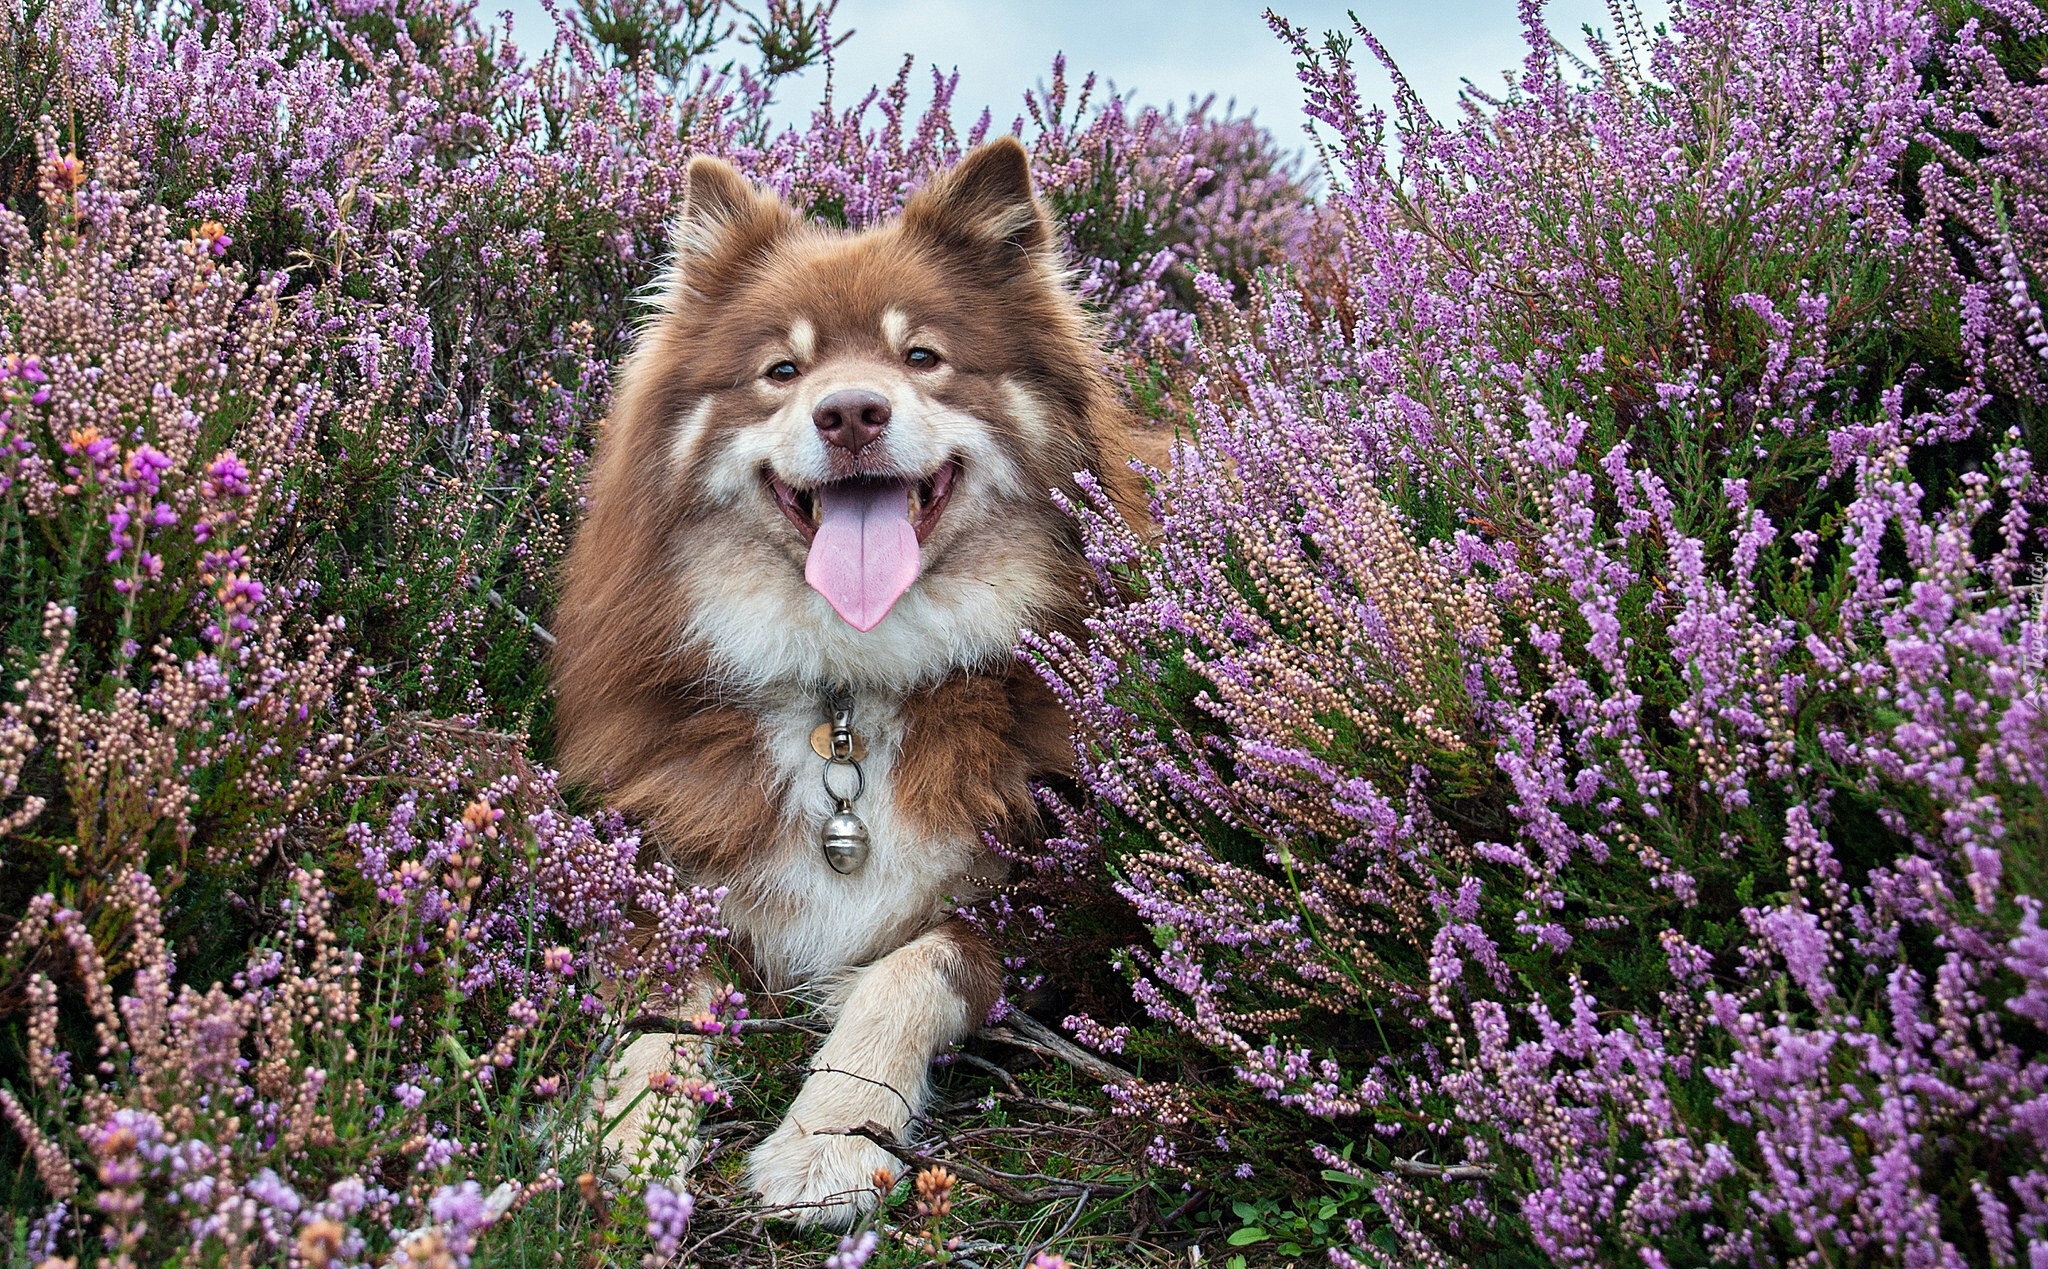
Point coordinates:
[(1566, 783), (1578, 736)]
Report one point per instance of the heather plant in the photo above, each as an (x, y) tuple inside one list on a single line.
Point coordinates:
[(176, 704), (1151, 197), (1577, 736), (325, 1103), (188, 725)]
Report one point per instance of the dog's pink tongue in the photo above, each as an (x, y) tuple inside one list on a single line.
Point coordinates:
[(865, 554)]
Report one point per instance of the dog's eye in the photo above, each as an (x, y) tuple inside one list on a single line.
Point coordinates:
[(921, 358), (782, 371)]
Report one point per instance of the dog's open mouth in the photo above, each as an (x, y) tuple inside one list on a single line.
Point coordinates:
[(864, 535), (922, 500)]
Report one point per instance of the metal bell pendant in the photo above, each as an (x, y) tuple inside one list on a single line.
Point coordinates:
[(845, 841)]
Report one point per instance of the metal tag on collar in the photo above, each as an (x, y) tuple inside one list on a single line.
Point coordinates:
[(845, 839), (822, 741)]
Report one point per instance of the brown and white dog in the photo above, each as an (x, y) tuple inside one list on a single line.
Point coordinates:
[(829, 469)]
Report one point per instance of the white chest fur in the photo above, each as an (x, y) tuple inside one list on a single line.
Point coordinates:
[(804, 921)]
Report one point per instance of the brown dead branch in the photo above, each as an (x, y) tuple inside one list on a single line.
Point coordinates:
[(1026, 1032), (1019, 1030), (1004, 1185), (1443, 1171)]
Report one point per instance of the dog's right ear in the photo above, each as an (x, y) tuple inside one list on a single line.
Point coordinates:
[(726, 224)]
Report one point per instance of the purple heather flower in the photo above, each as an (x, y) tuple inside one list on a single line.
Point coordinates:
[(668, 1216), (854, 1251)]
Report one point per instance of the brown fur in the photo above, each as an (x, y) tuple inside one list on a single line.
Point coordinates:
[(973, 745), (974, 975)]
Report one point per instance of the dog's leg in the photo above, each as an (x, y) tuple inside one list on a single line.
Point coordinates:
[(655, 1133), (875, 1067)]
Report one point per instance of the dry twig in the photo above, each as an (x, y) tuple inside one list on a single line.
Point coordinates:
[(1019, 1030), (1004, 1185), (1026, 1032), (1443, 1171)]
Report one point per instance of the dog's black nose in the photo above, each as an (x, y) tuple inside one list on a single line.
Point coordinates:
[(852, 417)]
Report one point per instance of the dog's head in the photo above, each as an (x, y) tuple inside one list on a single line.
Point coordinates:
[(833, 453)]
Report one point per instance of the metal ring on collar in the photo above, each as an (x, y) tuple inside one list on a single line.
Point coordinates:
[(860, 782)]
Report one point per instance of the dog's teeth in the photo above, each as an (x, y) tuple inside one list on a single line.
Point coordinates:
[(916, 503), (817, 509)]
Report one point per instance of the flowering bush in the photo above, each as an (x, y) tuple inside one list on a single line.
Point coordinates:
[(189, 725), (1578, 736)]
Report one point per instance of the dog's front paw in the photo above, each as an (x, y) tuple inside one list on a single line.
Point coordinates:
[(649, 1112), (818, 1178)]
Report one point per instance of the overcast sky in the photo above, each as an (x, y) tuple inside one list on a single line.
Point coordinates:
[(1164, 50)]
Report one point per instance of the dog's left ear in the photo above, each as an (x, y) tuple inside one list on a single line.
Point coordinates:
[(984, 205)]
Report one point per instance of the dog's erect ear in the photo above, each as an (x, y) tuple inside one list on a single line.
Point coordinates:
[(715, 197), (725, 224), (985, 203)]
